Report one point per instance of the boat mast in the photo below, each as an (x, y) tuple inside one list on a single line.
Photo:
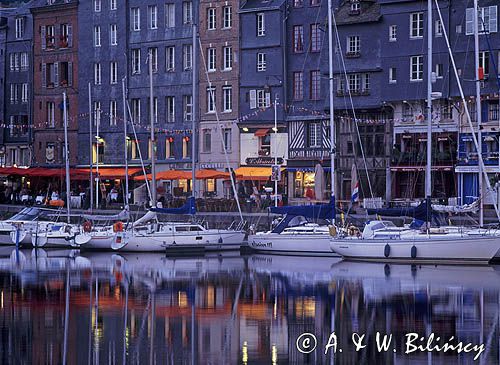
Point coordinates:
[(478, 113), (428, 173), (330, 77), (193, 116), (151, 122), (276, 150), (66, 156), (125, 139), (91, 142)]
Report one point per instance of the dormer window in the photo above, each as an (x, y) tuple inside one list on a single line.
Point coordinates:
[(355, 7)]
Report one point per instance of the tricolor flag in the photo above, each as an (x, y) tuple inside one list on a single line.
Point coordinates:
[(355, 193)]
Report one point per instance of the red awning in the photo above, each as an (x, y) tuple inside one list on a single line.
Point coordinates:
[(110, 172), (261, 132)]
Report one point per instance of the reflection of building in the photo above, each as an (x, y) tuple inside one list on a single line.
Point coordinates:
[(56, 58)]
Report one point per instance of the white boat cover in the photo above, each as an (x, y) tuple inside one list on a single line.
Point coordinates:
[(145, 218), (466, 208), (123, 215)]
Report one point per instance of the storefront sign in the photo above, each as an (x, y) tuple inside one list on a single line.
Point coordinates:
[(276, 173), (262, 161)]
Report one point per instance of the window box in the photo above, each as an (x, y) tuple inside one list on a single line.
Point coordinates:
[(354, 12)]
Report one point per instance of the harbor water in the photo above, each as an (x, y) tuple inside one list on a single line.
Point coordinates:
[(67, 307)]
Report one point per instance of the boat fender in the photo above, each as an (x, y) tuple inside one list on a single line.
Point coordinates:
[(118, 227), (413, 252), (332, 230), (87, 226), (387, 250), (220, 239), (413, 270)]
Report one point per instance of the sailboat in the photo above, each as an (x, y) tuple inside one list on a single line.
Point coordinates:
[(382, 240)]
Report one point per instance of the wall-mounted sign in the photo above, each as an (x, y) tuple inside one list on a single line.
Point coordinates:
[(262, 161)]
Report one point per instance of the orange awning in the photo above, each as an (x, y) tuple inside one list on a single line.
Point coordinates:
[(167, 175), (261, 132), (253, 173), (211, 174), (111, 172)]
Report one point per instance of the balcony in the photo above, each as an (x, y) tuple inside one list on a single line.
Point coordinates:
[(353, 54)]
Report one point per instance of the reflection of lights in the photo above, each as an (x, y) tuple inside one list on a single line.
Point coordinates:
[(275, 308), (274, 354), (117, 293), (1, 300), (182, 299), (127, 337), (305, 307), (244, 351)]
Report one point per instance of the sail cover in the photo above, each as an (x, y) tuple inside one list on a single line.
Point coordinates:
[(466, 208), (320, 211), (188, 208), (418, 212), (122, 216)]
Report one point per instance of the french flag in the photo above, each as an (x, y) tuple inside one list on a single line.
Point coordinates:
[(355, 193)]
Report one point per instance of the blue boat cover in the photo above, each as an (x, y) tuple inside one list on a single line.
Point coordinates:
[(419, 212), (320, 211), (189, 207)]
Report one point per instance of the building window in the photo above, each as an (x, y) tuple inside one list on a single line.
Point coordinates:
[(169, 15), (97, 6), (112, 112), (153, 17), (51, 114), (155, 109), (170, 59), (112, 35), (228, 58), (170, 101), (439, 70), (153, 58), (66, 73), (24, 61), (366, 83), (263, 99), (135, 14), (136, 61), (24, 93), (97, 113), (354, 83), (97, 73), (13, 93), (186, 147), (227, 100), (298, 86), (315, 2), (226, 135), (228, 16), (439, 28), (211, 19), (488, 20), (97, 36), (314, 134), (66, 39), (187, 12), (19, 27), (315, 38), (315, 93), (207, 140), (50, 38), (188, 108), (393, 31), (484, 62), (392, 75), (136, 111), (298, 38), (353, 45), (210, 99), (187, 56), (113, 73), (416, 25), (493, 110), (261, 62), (169, 147), (261, 25), (355, 7), (112, 4), (211, 66), (265, 145), (298, 3), (417, 68)]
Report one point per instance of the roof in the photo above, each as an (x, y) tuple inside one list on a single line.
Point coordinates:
[(252, 5), (370, 12)]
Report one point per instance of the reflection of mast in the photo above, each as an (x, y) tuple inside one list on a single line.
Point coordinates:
[(125, 337), (66, 314)]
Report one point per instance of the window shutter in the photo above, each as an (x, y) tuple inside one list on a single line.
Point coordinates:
[(43, 33), (253, 99), (493, 19), (70, 35), (56, 74), (70, 73), (469, 21), (44, 75), (268, 100), (171, 14)]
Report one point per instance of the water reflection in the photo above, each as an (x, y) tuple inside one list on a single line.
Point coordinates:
[(104, 308)]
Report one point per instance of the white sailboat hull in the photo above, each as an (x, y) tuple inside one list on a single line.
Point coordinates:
[(209, 240), (427, 249), (300, 244)]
